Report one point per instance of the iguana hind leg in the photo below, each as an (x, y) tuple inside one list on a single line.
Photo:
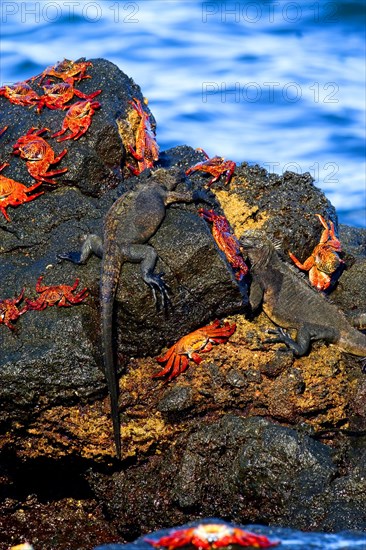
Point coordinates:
[(146, 255), (304, 335), (358, 320)]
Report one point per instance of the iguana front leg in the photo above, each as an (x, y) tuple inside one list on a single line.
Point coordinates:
[(199, 195), (91, 245), (255, 295)]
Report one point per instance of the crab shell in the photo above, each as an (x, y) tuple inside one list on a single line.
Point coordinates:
[(78, 119), (211, 536), (39, 155), (201, 340), (226, 241), (146, 150), (324, 261), (66, 69), (62, 295), (13, 193), (216, 166), (20, 94)]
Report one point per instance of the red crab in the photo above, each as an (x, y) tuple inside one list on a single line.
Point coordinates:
[(66, 69), (3, 130), (60, 295), (57, 95), (201, 340), (146, 151), (39, 155), (78, 119), (9, 310), (20, 94), (216, 166), (324, 259), (226, 241), (13, 193), (207, 536)]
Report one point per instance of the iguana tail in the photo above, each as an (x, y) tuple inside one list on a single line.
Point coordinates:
[(111, 268)]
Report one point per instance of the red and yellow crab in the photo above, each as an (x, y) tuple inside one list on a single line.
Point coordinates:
[(199, 341), (78, 119), (226, 241), (216, 166), (324, 260), (39, 155), (20, 94), (9, 311), (65, 69), (57, 95), (146, 150), (60, 295), (13, 193), (209, 536)]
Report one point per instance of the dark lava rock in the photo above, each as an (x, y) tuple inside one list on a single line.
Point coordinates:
[(205, 464), (176, 399), (284, 206), (95, 161), (247, 469), (54, 356)]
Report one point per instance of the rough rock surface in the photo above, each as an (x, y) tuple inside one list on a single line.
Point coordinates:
[(248, 434), (55, 356), (230, 468)]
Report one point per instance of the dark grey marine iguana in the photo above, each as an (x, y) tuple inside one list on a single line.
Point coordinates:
[(290, 302), (131, 221)]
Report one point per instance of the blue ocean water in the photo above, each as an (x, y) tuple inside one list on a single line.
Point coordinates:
[(279, 83)]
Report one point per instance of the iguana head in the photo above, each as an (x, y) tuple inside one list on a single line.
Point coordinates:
[(168, 178), (257, 246)]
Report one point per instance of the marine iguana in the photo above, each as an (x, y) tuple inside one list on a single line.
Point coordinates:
[(131, 221), (290, 302)]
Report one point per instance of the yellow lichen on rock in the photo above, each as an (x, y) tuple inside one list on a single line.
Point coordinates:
[(140, 434), (240, 215)]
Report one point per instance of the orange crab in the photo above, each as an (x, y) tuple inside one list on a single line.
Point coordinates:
[(20, 94), (208, 536), (78, 119), (39, 155), (324, 260), (57, 95), (226, 241), (60, 295), (147, 150), (216, 166), (3, 130), (201, 340), (9, 310), (13, 193), (66, 69)]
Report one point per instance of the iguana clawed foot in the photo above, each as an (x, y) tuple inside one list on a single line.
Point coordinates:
[(74, 257), (158, 287), (281, 337)]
